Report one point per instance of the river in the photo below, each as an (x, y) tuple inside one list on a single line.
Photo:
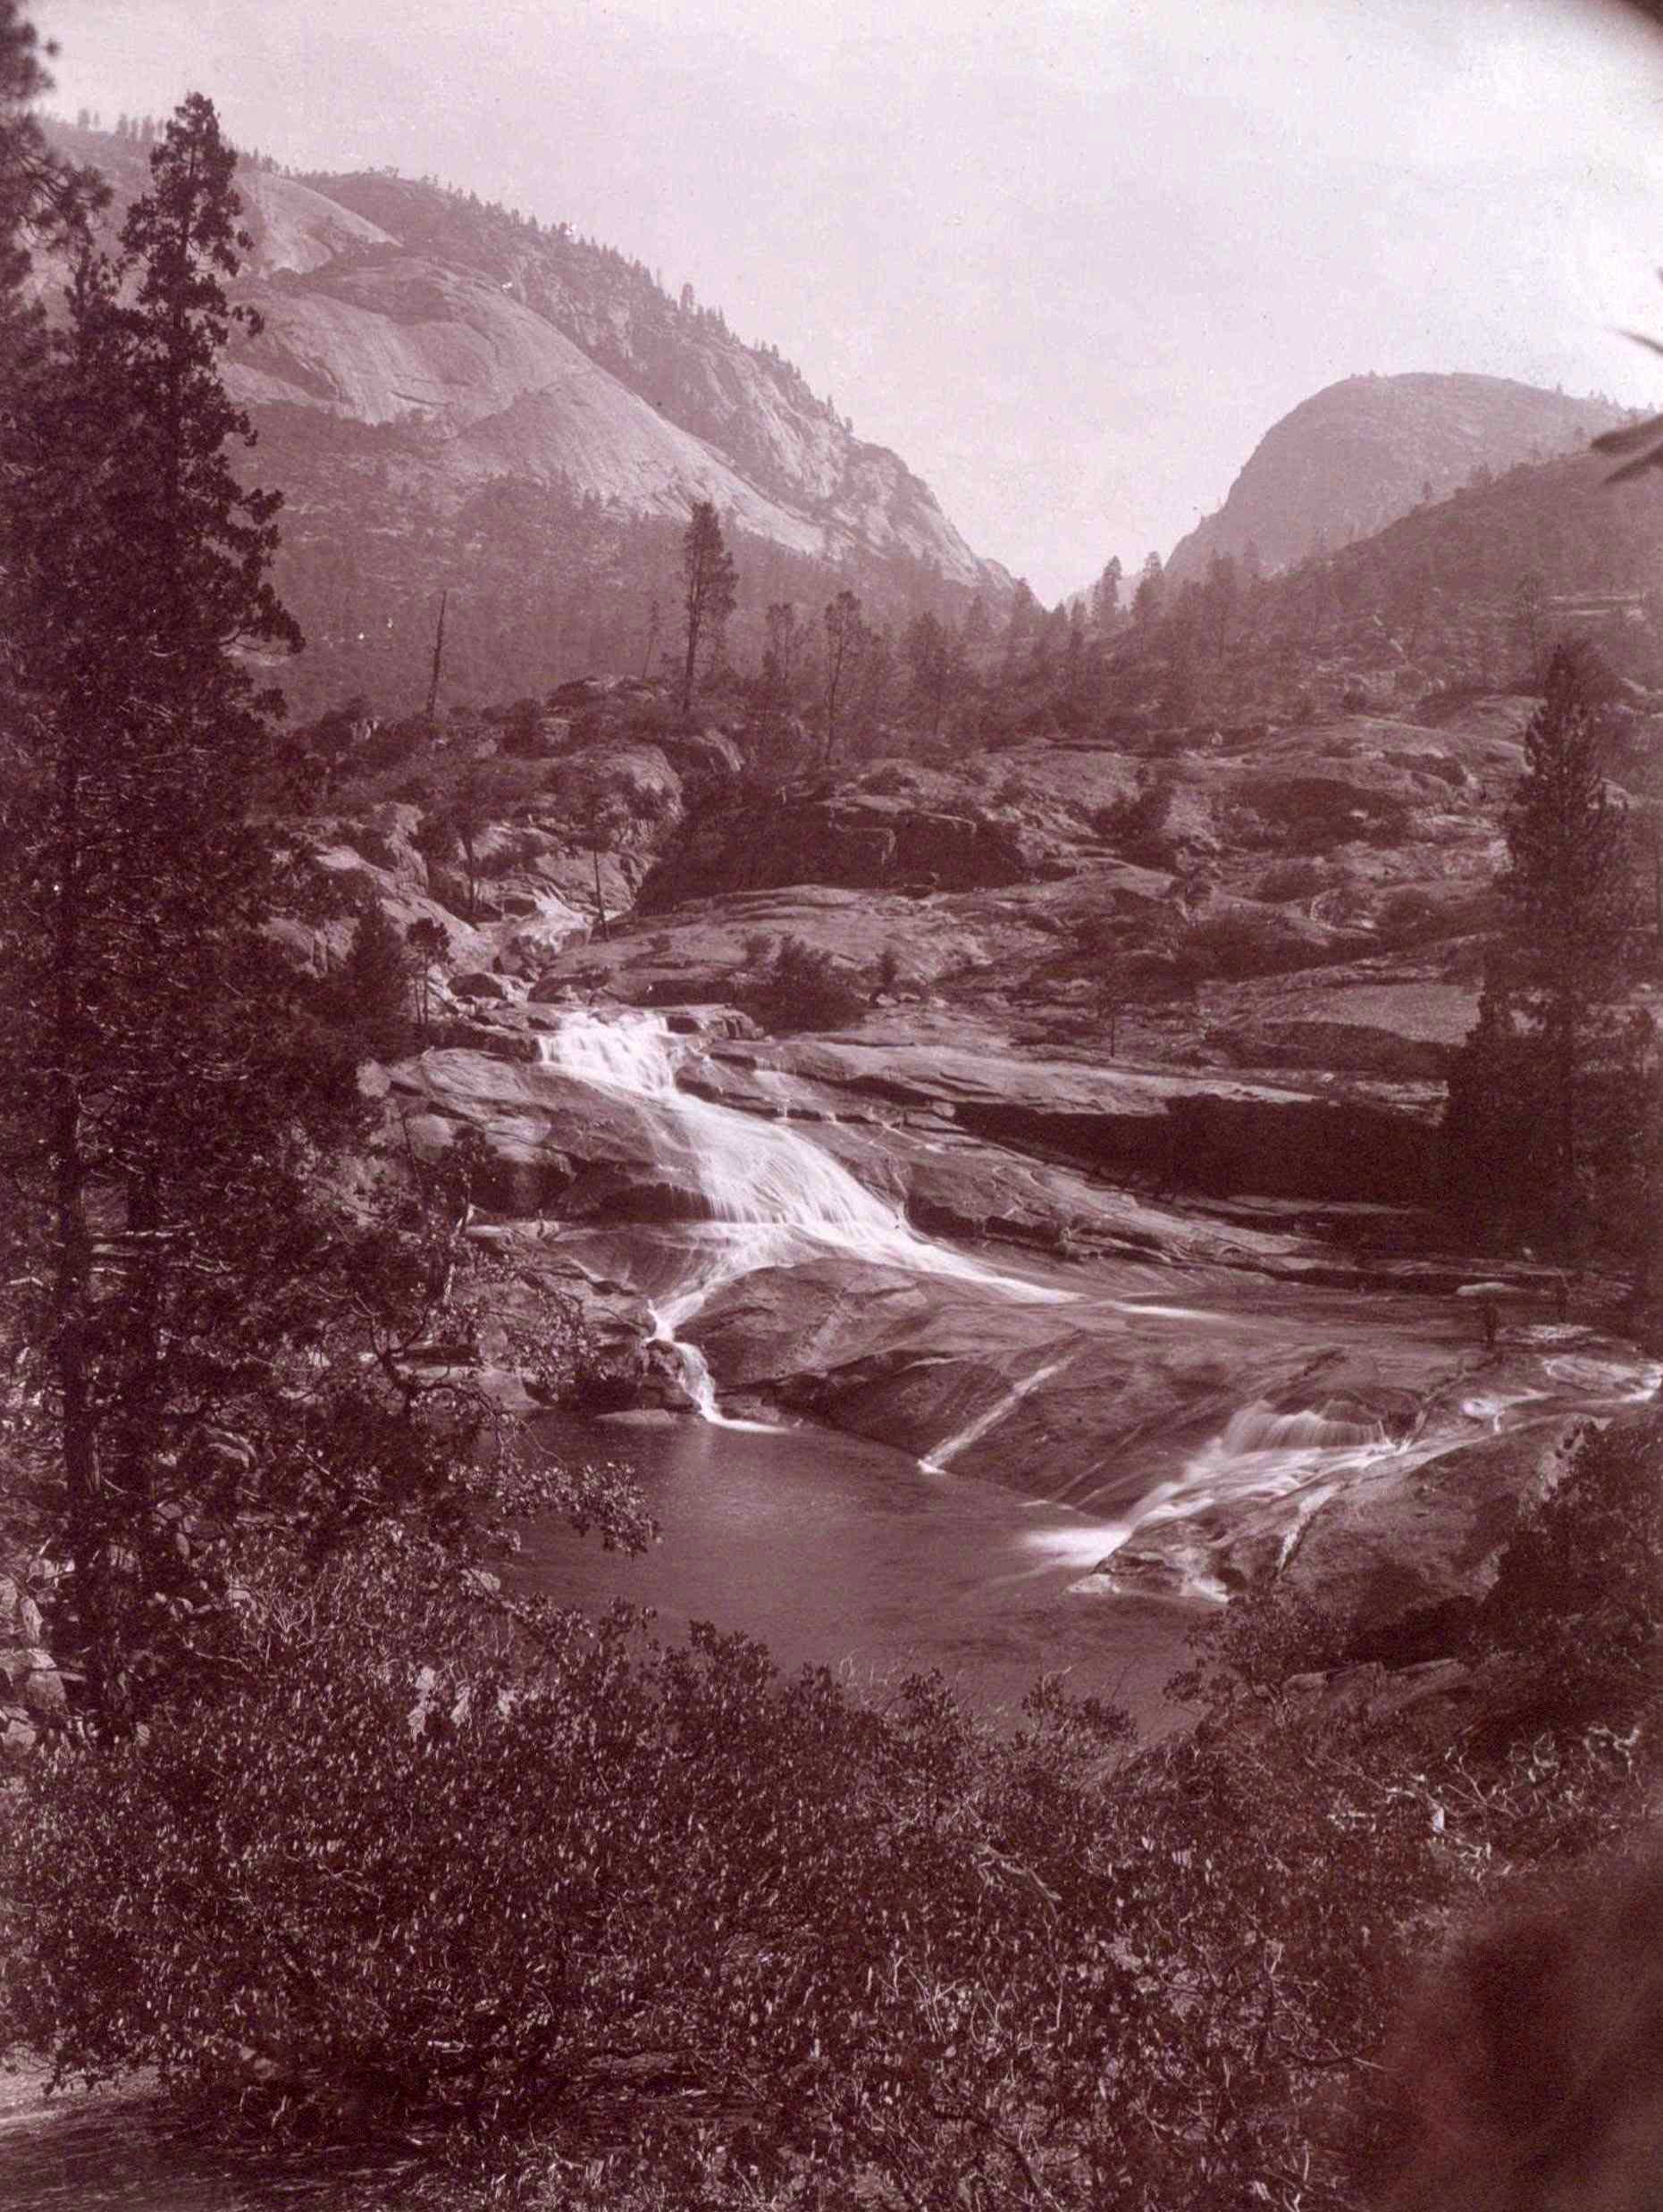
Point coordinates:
[(836, 1552), (1140, 1412)]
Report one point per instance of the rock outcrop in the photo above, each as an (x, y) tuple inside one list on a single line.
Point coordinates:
[(523, 351)]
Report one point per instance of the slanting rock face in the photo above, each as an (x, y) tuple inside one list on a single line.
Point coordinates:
[(1213, 1134), (1393, 1545)]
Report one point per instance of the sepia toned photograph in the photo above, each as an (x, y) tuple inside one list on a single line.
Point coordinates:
[(831, 1106)]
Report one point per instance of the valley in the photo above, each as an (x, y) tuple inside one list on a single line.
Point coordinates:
[(822, 1387)]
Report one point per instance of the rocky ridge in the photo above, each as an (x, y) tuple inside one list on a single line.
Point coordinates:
[(516, 349), (1252, 1360)]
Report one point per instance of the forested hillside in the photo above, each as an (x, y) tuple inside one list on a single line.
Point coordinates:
[(455, 397)]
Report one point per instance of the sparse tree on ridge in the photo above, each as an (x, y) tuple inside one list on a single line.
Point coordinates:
[(709, 590)]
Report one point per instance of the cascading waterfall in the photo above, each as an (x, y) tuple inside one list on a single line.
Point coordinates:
[(1264, 1453), (774, 1197)]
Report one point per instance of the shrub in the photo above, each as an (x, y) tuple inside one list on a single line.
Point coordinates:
[(801, 987), (1236, 943), (1137, 824), (517, 851), (1409, 916), (391, 745), (412, 1869), (377, 848)]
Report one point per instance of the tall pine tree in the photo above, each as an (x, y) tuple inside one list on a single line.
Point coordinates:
[(203, 1333), (1555, 1059), (709, 591)]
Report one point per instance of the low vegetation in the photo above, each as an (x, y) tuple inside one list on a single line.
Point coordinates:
[(665, 1919), (787, 985)]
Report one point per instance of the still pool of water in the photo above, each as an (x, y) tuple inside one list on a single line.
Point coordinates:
[(838, 1552)]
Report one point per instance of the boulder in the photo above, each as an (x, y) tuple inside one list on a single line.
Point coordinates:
[(32, 1680), (19, 1616), (858, 840), (1404, 1539), (480, 983)]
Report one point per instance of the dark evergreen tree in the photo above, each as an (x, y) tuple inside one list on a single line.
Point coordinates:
[(1021, 630), (1149, 600), (1547, 1098), (845, 636), (1105, 598), (197, 1333), (934, 659), (1570, 885), (372, 989), (42, 199), (709, 590)]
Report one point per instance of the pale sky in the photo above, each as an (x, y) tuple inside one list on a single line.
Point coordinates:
[(1071, 258)]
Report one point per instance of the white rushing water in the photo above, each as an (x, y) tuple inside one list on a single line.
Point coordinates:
[(1301, 1456), (774, 1197)]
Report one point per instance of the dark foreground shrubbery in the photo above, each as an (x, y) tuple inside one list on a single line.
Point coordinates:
[(420, 1872), (657, 1929)]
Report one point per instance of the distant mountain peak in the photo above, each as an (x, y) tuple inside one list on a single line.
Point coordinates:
[(1358, 454)]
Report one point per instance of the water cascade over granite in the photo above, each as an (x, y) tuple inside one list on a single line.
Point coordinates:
[(1161, 1403), (773, 1196)]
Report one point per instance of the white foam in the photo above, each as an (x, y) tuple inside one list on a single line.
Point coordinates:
[(774, 1197)]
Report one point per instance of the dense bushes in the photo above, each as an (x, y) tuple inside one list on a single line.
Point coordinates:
[(1577, 1601), (412, 1869), (791, 985), (502, 1869)]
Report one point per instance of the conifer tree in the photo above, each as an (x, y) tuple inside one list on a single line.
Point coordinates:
[(709, 589), (196, 1332), (1571, 891), (373, 987), (846, 637), (1547, 1099), (933, 656)]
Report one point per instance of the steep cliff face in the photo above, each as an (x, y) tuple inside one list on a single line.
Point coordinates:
[(1356, 456), (518, 349)]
